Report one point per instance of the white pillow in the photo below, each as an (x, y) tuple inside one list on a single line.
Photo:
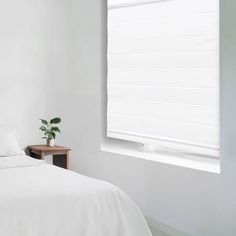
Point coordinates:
[(8, 143)]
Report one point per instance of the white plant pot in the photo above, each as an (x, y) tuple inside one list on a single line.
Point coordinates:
[(50, 142)]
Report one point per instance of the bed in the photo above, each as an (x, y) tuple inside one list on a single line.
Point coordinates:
[(39, 199)]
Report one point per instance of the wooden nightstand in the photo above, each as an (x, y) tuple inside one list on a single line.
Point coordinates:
[(60, 155)]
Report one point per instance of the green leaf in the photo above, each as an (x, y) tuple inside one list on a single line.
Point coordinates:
[(44, 121), (56, 129), (53, 135), (44, 137), (55, 120), (43, 128), (46, 132)]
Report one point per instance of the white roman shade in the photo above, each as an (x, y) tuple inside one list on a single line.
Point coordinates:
[(163, 73)]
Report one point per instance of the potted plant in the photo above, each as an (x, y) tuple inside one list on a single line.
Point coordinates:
[(49, 130)]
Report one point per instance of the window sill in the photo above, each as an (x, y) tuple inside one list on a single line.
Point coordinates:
[(193, 162)]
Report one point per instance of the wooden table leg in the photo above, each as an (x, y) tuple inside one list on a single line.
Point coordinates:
[(67, 161), (42, 155)]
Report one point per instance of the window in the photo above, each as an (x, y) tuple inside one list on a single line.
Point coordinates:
[(163, 74)]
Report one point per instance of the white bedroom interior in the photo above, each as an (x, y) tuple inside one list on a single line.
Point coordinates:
[(53, 63)]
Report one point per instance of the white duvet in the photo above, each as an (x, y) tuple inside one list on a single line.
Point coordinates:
[(38, 199)]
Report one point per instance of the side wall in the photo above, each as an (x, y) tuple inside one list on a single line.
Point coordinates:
[(34, 62)]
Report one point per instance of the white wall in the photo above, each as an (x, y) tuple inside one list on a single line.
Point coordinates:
[(33, 62), (196, 202)]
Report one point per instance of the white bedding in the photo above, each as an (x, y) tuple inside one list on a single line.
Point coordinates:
[(38, 199)]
